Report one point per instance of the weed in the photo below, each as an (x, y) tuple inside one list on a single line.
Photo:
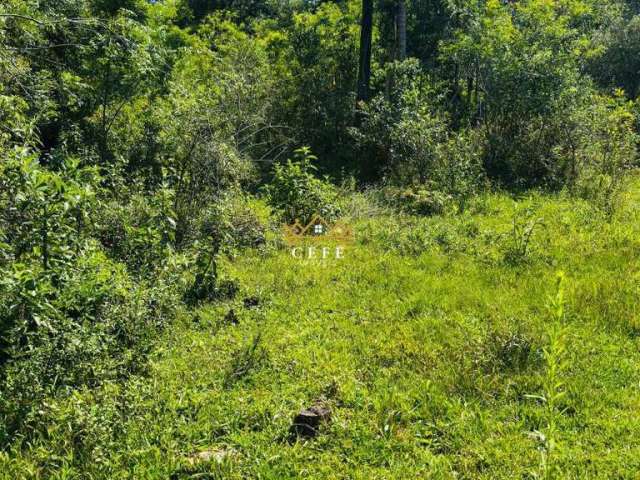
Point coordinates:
[(246, 360), (524, 224), (553, 384)]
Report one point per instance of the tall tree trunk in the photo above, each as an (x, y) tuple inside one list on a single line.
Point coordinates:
[(401, 28), (397, 40), (364, 68)]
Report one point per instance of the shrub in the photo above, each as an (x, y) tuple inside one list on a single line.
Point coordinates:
[(458, 168), (204, 286), (298, 193), (615, 65), (599, 148), (90, 323), (401, 130), (139, 232), (412, 140), (44, 214), (424, 202), (313, 61), (69, 315), (417, 200), (522, 65), (234, 222), (416, 141), (208, 142)]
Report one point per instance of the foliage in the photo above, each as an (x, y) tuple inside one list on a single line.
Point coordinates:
[(458, 167), (43, 213), (525, 224), (68, 316), (522, 62), (142, 185), (140, 232), (315, 66), (412, 142), (206, 276), (91, 325), (298, 193), (208, 139), (236, 222), (418, 201), (613, 63), (599, 148), (400, 130), (555, 355)]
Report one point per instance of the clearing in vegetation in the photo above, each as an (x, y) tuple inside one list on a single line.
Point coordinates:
[(443, 347)]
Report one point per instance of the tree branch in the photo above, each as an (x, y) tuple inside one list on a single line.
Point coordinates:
[(21, 17)]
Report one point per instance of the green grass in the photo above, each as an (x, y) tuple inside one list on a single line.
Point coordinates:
[(435, 342)]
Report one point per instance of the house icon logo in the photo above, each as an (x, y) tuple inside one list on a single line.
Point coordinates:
[(318, 229)]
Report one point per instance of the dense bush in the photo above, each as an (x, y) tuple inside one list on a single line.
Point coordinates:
[(614, 63), (458, 168), (599, 148), (93, 323), (522, 65), (298, 193), (411, 141), (69, 315), (402, 128), (43, 213), (138, 232), (314, 58), (234, 222)]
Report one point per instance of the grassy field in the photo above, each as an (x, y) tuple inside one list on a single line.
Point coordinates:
[(445, 347)]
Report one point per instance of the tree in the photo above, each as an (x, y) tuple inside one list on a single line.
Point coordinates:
[(364, 67), (401, 28)]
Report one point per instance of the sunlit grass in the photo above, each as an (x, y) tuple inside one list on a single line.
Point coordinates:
[(434, 346)]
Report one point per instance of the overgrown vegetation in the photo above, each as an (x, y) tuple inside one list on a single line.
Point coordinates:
[(151, 150)]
